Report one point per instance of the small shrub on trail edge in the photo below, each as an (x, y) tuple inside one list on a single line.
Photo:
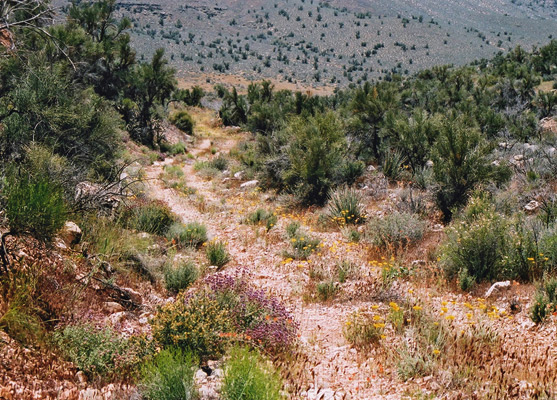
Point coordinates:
[(180, 277), (262, 217), (226, 308), (152, 217), (345, 207), (545, 302), (302, 244), (217, 254), (192, 234), (363, 330), (169, 376), (101, 352), (183, 121), (248, 376)]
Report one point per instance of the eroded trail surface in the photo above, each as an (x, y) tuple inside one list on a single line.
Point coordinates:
[(221, 204)]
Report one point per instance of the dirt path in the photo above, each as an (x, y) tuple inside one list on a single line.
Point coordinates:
[(337, 370)]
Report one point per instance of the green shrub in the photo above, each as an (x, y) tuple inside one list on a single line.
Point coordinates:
[(220, 163), (180, 277), (178, 148), (169, 376), (303, 245), (326, 290), (192, 234), (151, 217), (292, 229), (35, 205), (100, 352), (351, 171), (477, 245), (395, 230), (262, 217), (248, 376), (345, 207), (545, 301), (217, 254), (196, 323), (183, 121), (392, 165)]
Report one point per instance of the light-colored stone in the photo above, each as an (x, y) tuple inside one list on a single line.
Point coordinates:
[(200, 375), (116, 318), (90, 394), (81, 377), (532, 206), (371, 168), (71, 233), (495, 286), (239, 175), (134, 295), (249, 183), (208, 393)]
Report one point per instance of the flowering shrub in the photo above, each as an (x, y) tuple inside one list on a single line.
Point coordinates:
[(363, 329), (217, 254), (193, 234), (151, 217), (225, 309), (345, 207), (262, 217)]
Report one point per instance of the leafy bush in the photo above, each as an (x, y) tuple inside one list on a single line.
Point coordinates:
[(396, 229), (225, 309), (195, 323), (220, 163), (303, 245), (192, 234), (362, 329), (248, 376), (392, 165), (100, 352), (477, 245), (351, 171), (315, 149), (151, 217), (262, 217), (217, 253), (181, 276), (35, 205), (183, 121), (345, 207), (169, 376), (326, 290)]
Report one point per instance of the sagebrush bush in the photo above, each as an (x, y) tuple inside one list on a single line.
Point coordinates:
[(152, 217), (345, 207), (192, 234), (248, 376), (181, 276), (217, 254), (220, 162), (395, 230), (262, 217), (101, 352), (183, 121), (169, 376), (35, 205)]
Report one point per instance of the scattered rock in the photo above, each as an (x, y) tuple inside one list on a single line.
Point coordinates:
[(71, 233), (518, 157), (249, 183), (429, 164), (495, 286), (81, 377), (90, 394), (200, 375), (59, 243), (532, 206), (371, 168), (239, 175), (208, 393), (548, 125), (135, 296), (113, 307), (116, 318)]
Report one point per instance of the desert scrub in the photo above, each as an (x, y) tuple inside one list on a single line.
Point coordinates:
[(220, 162), (195, 323), (345, 207), (545, 301), (192, 234), (262, 217), (476, 247), (101, 352), (395, 230), (35, 205), (217, 254), (362, 329), (183, 121), (147, 216), (169, 376), (181, 276), (248, 376), (303, 245), (225, 309)]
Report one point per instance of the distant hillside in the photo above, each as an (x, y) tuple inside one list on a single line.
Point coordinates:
[(335, 42)]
